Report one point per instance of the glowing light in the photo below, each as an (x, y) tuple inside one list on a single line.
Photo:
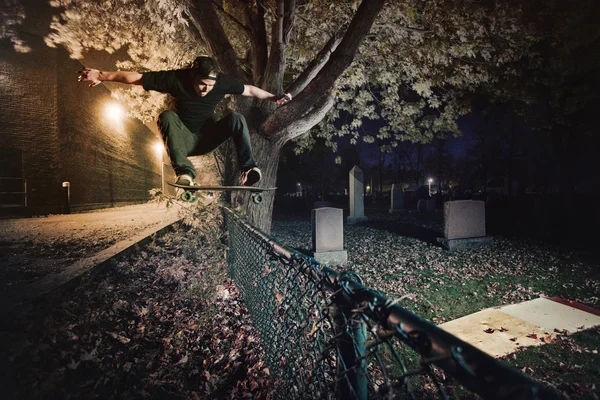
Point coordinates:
[(158, 148), (114, 111)]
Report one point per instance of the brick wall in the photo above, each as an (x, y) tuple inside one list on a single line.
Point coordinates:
[(107, 161), (60, 126), (28, 120)]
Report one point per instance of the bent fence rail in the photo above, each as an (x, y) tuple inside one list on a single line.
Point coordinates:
[(327, 336)]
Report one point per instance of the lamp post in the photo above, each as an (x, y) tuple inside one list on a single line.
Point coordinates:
[(158, 148), (430, 180)]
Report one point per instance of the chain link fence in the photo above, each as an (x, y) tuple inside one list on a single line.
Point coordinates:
[(326, 336)]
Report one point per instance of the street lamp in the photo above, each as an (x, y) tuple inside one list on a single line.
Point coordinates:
[(114, 111), (158, 148), (430, 180)]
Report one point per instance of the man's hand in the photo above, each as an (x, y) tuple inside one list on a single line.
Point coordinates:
[(90, 75), (286, 98)]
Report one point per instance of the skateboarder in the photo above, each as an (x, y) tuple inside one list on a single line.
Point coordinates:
[(189, 129)]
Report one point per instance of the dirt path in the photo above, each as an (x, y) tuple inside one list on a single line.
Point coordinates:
[(33, 248)]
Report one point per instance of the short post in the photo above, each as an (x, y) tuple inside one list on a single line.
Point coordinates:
[(351, 374), (357, 206), (66, 195)]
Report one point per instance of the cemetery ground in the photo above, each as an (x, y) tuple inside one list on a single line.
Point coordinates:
[(167, 322), (398, 255)]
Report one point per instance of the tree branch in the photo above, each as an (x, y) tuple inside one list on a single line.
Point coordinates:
[(312, 118), (289, 18), (315, 65), (231, 17), (273, 78), (255, 17), (341, 59), (204, 18), (280, 38)]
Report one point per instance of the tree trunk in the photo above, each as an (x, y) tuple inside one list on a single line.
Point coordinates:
[(266, 154)]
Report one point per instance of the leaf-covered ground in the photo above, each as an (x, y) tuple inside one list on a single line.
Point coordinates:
[(164, 323), (398, 256), (168, 323)]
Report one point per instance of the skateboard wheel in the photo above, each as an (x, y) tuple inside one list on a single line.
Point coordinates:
[(257, 198), (187, 196)]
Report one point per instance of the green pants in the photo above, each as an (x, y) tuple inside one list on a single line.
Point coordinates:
[(181, 142)]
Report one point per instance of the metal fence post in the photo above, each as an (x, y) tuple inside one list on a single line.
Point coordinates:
[(351, 343)]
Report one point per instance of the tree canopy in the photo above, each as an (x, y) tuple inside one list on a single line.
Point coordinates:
[(412, 70)]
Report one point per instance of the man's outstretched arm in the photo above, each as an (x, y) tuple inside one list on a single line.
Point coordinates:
[(256, 92), (96, 77)]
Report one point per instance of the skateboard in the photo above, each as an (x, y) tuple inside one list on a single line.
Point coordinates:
[(189, 191)]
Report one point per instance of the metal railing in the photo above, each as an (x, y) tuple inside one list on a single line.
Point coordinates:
[(327, 336), (6, 195)]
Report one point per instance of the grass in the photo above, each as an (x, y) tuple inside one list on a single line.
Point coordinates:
[(397, 256), (571, 364)]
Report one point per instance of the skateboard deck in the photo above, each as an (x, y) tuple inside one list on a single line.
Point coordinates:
[(188, 194)]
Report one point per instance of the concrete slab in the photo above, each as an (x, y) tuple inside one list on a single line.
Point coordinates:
[(495, 332), (551, 315), (503, 330)]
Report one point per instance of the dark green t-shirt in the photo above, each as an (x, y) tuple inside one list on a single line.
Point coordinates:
[(192, 108)]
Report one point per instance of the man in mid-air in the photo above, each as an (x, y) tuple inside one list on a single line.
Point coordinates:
[(189, 129)]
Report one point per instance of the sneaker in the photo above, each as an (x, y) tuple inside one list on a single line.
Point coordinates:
[(250, 177), (185, 180)]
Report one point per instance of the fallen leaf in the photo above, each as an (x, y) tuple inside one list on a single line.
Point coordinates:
[(120, 338), (513, 339), (313, 330), (183, 360), (532, 336), (489, 330), (502, 329), (73, 364), (279, 297)]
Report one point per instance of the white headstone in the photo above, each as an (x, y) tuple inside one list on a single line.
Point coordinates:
[(357, 201), (328, 236), (327, 229), (464, 219), (397, 198)]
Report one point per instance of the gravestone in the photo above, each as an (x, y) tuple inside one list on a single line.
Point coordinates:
[(464, 224), (328, 236), (426, 205), (397, 199), (357, 201)]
